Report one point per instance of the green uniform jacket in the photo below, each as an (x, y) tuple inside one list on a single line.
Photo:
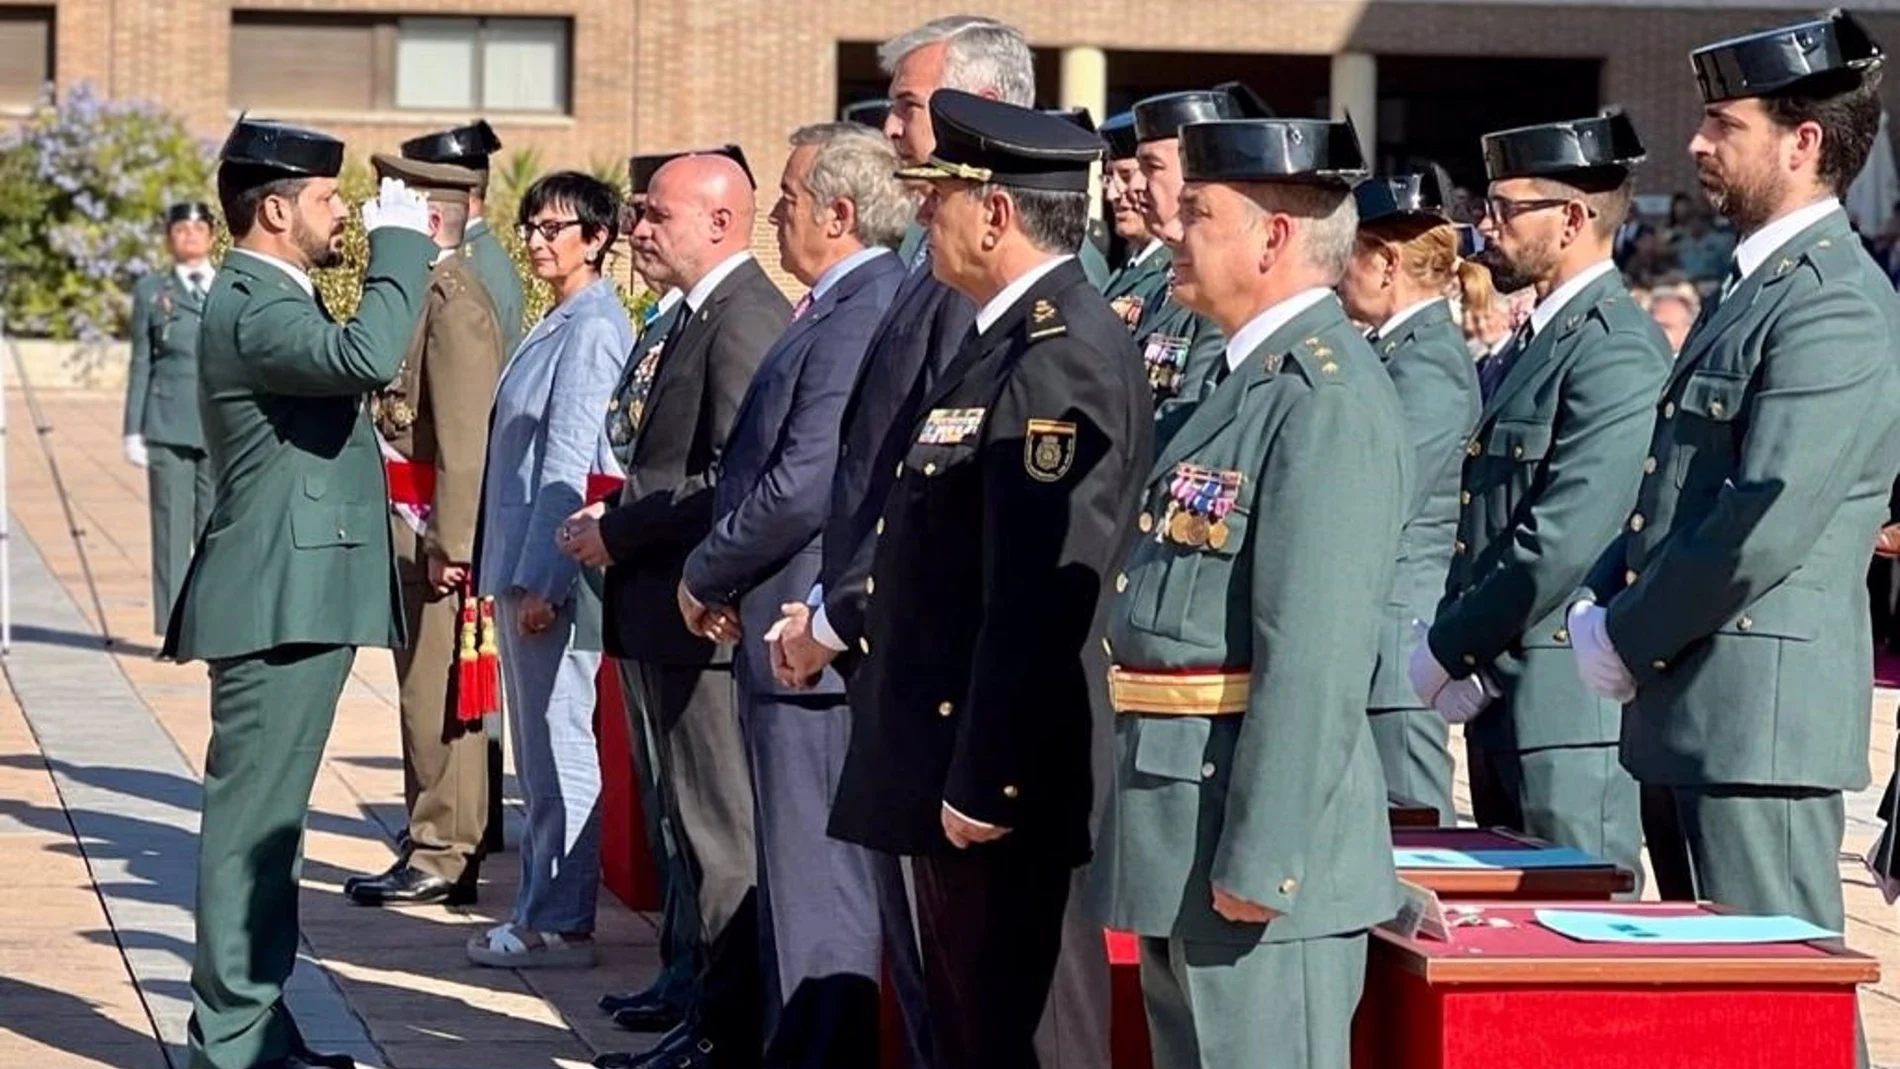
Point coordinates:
[(1739, 592), (1182, 351), (297, 549), (1549, 478), (1139, 286), (1438, 390), (161, 388), (503, 282), (1283, 804)]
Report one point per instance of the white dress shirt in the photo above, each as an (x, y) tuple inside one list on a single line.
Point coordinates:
[(703, 289), (1757, 247), (297, 274), (1550, 307), (1262, 326), (1146, 251), (1391, 326), (202, 269)]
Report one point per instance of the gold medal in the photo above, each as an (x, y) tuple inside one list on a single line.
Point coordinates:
[(1217, 534), (1197, 529), (1178, 525)]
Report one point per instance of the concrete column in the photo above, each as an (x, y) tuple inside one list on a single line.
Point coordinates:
[(1085, 85), (1355, 89)]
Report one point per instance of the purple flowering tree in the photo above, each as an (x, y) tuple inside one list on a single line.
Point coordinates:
[(84, 184)]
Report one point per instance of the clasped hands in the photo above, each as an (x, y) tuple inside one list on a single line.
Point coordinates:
[(1459, 701), (1598, 664)]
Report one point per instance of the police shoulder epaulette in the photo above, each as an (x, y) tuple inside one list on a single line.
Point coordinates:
[(1317, 361), (1823, 257), (1045, 321)]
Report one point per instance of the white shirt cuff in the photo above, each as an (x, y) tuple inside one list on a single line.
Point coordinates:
[(821, 628), (954, 811)]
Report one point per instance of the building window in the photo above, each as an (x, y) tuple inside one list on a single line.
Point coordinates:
[(26, 54), (297, 61)]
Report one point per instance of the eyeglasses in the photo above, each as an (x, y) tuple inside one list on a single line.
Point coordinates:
[(1504, 209), (549, 229)]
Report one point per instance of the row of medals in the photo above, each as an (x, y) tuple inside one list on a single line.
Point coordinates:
[(1199, 500)]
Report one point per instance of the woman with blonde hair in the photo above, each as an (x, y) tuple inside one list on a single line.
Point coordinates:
[(1405, 265)]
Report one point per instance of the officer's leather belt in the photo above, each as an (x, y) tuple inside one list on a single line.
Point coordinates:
[(410, 483), (1179, 692)]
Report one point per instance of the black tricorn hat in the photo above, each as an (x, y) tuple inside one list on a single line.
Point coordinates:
[(1158, 118), (1078, 116), (464, 146), (871, 113), (1312, 151), (189, 211), (982, 140), (1119, 131), (1603, 142), (1250, 103), (290, 151), (1782, 59), (1406, 196), (642, 167)]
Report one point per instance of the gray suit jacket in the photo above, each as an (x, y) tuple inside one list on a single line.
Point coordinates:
[(544, 437)]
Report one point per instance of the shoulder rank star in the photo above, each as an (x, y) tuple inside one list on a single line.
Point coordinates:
[(1043, 320)]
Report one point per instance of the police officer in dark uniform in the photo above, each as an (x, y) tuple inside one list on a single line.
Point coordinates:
[(162, 432), (983, 645)]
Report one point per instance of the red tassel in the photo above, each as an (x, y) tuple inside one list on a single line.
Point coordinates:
[(490, 665), (468, 691)]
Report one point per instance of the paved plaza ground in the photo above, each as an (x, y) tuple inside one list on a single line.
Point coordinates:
[(100, 756)]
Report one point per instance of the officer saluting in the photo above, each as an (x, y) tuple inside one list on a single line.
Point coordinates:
[(294, 571), (1246, 842), (162, 434), (1734, 610), (1012, 503), (1548, 479), (470, 146)]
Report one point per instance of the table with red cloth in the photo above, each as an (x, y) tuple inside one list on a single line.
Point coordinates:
[(1525, 996)]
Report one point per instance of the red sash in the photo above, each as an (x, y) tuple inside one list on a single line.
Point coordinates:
[(604, 487), (410, 483)]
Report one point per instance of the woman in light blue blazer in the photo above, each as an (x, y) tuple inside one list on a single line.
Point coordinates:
[(543, 439)]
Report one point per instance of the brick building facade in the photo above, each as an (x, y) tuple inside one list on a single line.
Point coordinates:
[(587, 81)]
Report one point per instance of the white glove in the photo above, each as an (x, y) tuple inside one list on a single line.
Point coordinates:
[(1461, 700), (399, 206), (1427, 675), (135, 454), (1598, 663)]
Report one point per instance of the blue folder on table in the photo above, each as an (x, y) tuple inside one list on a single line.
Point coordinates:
[(1553, 857), (1590, 927)]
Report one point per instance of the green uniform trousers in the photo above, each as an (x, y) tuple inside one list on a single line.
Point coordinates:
[(1577, 796), (1252, 1005), (179, 483), (270, 717), (444, 763), (678, 981), (1415, 752)]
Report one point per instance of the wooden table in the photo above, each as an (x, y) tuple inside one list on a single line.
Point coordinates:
[(1523, 996), (1598, 881)]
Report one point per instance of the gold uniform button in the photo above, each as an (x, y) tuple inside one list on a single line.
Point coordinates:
[(1658, 665), (1629, 577), (341, 533), (1108, 649), (900, 469), (1649, 465), (1146, 523), (864, 643), (1207, 770), (870, 584), (1289, 885), (1636, 522), (1715, 408), (1517, 452), (945, 709), (930, 468), (1561, 635), (1121, 583), (1010, 791), (1471, 661), (1458, 546), (1669, 410), (1464, 497), (1745, 624), (880, 525), (1472, 449)]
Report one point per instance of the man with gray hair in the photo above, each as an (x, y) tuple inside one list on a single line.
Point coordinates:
[(921, 332), (1246, 841), (972, 751), (840, 209)]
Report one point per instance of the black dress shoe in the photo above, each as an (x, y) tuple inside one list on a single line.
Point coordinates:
[(406, 885), (310, 1059), (673, 1046), (649, 1018), (644, 999)]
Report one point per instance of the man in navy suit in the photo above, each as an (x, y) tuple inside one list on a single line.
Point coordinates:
[(839, 212)]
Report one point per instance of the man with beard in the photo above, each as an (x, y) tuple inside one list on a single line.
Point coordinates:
[(1548, 478), (1181, 349), (295, 570), (1143, 280), (1732, 616)]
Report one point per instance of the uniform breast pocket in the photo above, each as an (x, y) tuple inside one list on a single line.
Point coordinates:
[(1513, 451), (327, 525), (947, 441), (1184, 591), (1703, 427)]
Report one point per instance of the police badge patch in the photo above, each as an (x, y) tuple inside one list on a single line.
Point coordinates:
[(1048, 449)]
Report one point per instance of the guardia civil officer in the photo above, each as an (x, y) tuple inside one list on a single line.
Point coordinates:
[(1142, 280), (162, 431), (294, 571), (1013, 499), (1246, 843), (1405, 260), (1732, 615), (1548, 480)]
